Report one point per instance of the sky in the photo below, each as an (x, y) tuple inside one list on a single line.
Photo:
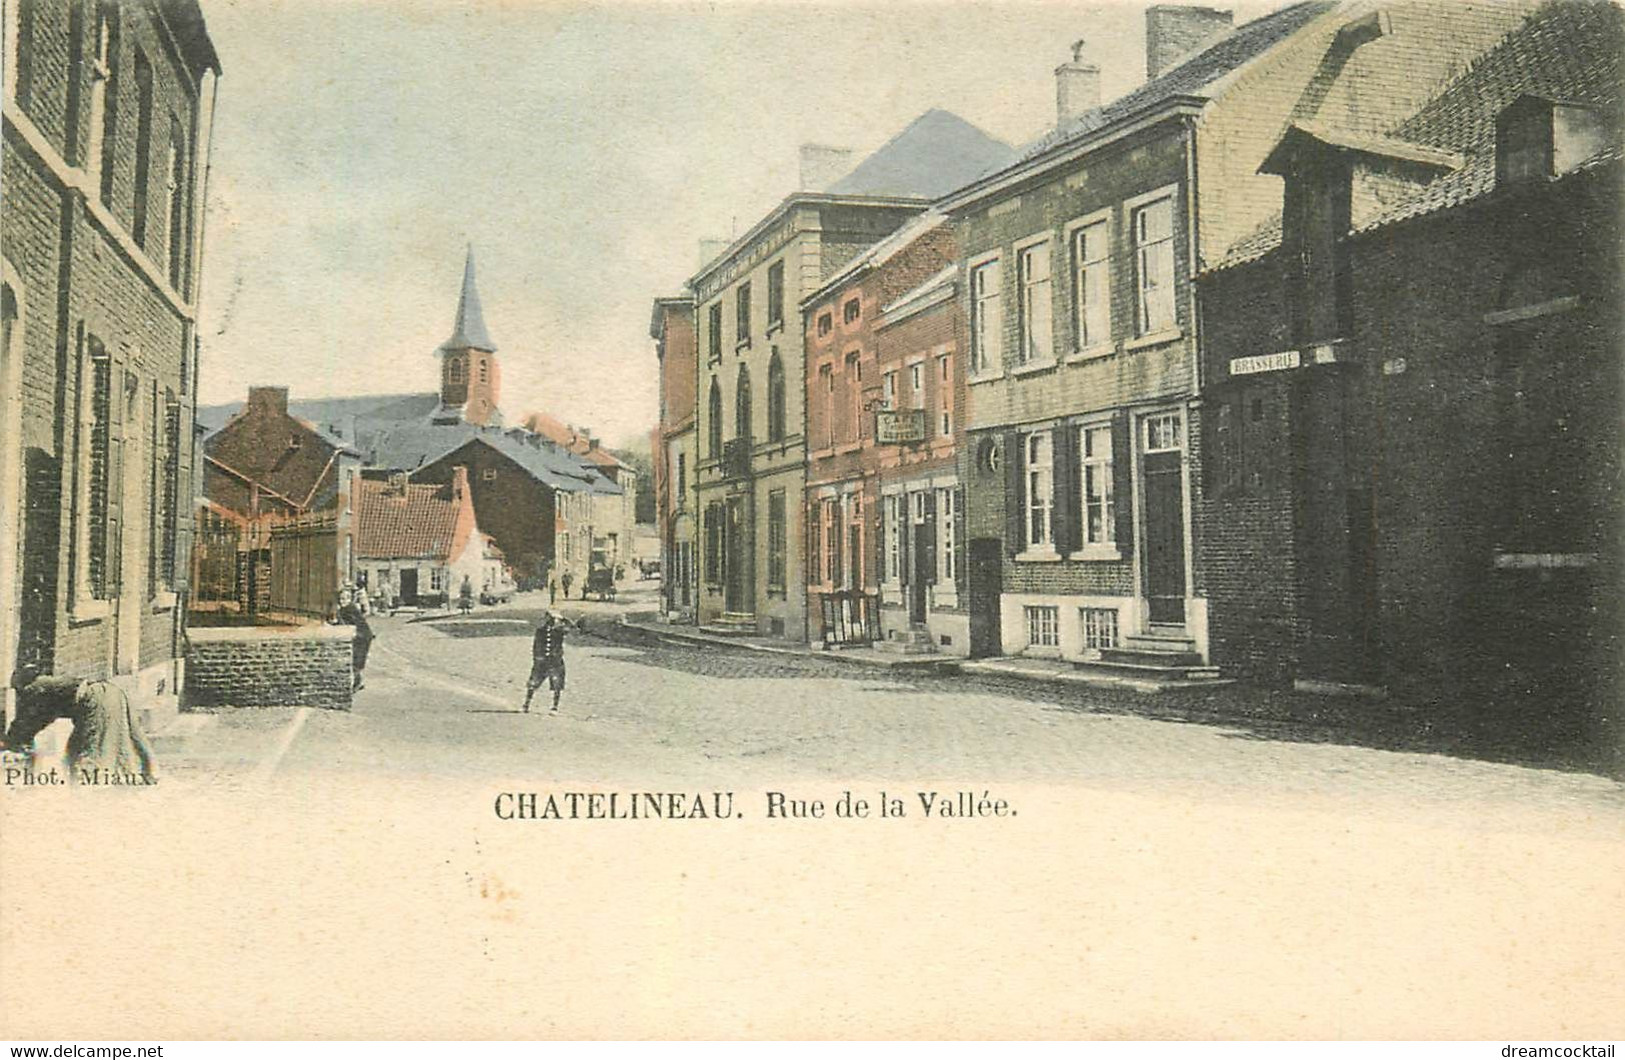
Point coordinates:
[(583, 149)]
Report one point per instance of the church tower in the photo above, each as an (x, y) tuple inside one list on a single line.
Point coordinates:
[(470, 379)]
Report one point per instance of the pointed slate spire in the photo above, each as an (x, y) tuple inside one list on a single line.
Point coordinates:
[(469, 330)]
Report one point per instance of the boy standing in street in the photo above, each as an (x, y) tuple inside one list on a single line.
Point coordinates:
[(547, 658)]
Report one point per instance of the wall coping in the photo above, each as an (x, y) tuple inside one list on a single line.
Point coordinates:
[(246, 634)]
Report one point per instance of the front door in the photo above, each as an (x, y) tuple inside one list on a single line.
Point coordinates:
[(1162, 435), (983, 583), (409, 586), (735, 591), (923, 549)]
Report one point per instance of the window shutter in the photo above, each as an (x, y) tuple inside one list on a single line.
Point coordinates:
[(1015, 497), (1123, 480), (1068, 538), (905, 540), (114, 547), (879, 525), (960, 526), (928, 531)]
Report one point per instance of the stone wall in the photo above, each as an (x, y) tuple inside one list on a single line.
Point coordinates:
[(305, 666)]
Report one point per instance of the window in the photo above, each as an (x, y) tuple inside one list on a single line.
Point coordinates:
[(713, 425), (775, 398), (484, 370), (854, 388), (438, 579), (1039, 466), (488, 475), (850, 311), (854, 540), (1095, 472), (1162, 432), (825, 323), (830, 516), (986, 318), (945, 398), (1154, 265), (826, 391), (742, 405), (1099, 626), (143, 147), (1043, 626), (775, 539), (775, 295), (894, 529), (713, 338), (742, 315), (916, 385), (888, 390), (713, 544), (176, 174), (945, 536), (1091, 285), (1037, 304), (682, 478)]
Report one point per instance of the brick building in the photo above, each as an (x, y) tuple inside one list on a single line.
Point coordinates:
[(107, 116), (424, 538), (1414, 410), (882, 394), (671, 325), (750, 474), (614, 514), (1084, 465)]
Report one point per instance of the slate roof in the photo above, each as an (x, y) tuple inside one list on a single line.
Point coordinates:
[(1196, 76), (420, 521), (934, 154), (1567, 50), (564, 435), (407, 447), (468, 330), (339, 413)]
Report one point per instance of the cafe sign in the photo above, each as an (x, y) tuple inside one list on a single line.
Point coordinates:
[(898, 426)]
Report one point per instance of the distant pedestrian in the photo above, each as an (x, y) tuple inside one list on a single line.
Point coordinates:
[(565, 581), (547, 658), (552, 590), (349, 614), (465, 596)]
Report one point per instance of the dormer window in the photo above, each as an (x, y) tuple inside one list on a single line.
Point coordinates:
[(1538, 139)]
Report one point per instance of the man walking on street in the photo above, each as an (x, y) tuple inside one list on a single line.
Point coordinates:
[(547, 658), (565, 582)]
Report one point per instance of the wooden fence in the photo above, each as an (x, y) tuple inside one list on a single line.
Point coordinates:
[(304, 566)]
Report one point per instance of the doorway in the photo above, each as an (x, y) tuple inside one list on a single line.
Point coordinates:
[(1163, 457), (983, 584), (736, 590), (922, 552), (409, 586)]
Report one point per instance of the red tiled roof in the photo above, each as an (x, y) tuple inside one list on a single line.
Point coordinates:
[(568, 437), (417, 521)]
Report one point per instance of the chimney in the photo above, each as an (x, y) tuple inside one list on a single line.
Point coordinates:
[(1174, 32), (1077, 86), (822, 166), (271, 399), (711, 250), (459, 483)]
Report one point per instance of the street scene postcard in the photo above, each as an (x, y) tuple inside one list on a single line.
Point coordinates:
[(812, 519)]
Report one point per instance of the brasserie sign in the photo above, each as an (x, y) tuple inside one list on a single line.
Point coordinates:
[(1265, 362)]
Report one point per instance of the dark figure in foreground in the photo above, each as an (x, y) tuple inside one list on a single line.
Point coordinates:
[(547, 658), (106, 740), (350, 614)]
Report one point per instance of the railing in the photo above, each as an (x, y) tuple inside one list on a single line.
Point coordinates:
[(736, 457), (850, 616)]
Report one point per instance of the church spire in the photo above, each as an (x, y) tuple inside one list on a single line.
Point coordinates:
[(469, 330)]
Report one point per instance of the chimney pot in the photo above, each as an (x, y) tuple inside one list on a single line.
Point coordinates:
[(459, 483), (1174, 32), (822, 166)]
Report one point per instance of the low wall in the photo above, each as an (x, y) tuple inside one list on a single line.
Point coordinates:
[(302, 666)]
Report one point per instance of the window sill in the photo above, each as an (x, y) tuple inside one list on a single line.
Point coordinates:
[(1096, 553), (1033, 367), (850, 447), (1092, 353), (163, 601), (739, 346), (1034, 555), (90, 611), (984, 377), (774, 327), (1156, 338)]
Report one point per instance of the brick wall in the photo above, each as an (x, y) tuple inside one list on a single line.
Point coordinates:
[(304, 667), (516, 510)]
